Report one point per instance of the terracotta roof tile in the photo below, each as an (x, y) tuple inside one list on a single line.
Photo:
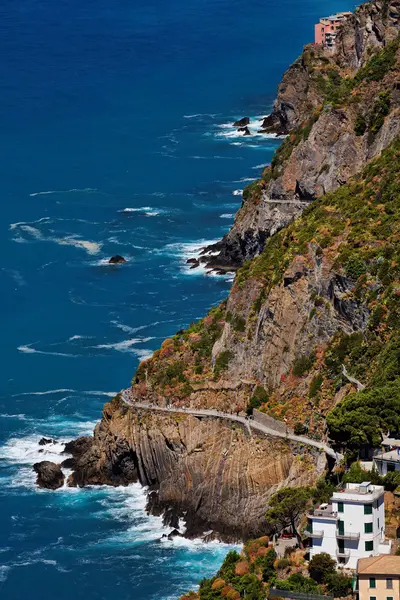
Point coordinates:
[(379, 565)]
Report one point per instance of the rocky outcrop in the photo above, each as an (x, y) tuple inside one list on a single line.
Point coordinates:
[(49, 475), (329, 105), (242, 122), (211, 474), (117, 259)]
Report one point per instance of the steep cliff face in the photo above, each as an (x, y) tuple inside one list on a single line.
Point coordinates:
[(213, 475), (322, 297), (340, 109), (316, 309)]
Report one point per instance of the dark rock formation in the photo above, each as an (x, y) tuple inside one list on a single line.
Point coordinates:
[(242, 122), (117, 259), (44, 441), (245, 130), (49, 475)]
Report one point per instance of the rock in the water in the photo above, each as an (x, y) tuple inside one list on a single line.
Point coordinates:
[(44, 441), (174, 533), (245, 129), (49, 475), (242, 122), (192, 261), (117, 259)]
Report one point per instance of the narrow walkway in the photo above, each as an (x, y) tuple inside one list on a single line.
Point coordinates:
[(250, 423)]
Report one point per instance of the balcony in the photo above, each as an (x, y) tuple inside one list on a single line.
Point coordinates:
[(343, 553), (347, 535), (324, 512), (314, 534)]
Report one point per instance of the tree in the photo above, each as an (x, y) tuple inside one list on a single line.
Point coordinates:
[(285, 508), (339, 585), (362, 417), (321, 566)]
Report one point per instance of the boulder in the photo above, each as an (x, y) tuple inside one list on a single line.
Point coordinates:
[(242, 122), (117, 259), (44, 441), (49, 475)]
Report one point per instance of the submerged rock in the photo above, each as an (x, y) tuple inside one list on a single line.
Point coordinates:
[(49, 475), (117, 259), (242, 122)]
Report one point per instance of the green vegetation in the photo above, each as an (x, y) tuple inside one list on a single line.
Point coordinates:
[(258, 398), (320, 566), (302, 365), (315, 385), (238, 322), (361, 417), (222, 362)]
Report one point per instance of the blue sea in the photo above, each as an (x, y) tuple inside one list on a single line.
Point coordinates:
[(115, 139)]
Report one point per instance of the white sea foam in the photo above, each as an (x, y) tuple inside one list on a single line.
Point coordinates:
[(143, 354), (247, 179), (71, 191), (125, 345), (227, 216), (28, 349), (146, 211), (25, 450), (237, 193), (262, 166), (69, 240)]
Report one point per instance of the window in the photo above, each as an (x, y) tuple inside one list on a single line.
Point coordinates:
[(372, 598), (372, 580), (368, 527), (389, 597), (389, 583), (369, 546), (340, 507), (367, 509)]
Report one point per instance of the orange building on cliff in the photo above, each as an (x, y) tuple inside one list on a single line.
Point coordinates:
[(327, 28)]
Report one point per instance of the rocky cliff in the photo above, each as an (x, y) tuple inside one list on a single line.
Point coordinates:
[(215, 476), (314, 312), (339, 109)]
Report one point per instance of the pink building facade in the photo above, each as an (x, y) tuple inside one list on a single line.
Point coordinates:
[(327, 28)]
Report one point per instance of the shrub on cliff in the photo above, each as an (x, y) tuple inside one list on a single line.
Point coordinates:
[(258, 398), (222, 362)]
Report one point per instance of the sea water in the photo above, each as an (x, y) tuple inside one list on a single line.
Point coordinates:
[(116, 138)]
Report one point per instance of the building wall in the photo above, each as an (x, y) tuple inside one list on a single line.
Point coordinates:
[(319, 35), (381, 592), (328, 542), (354, 521)]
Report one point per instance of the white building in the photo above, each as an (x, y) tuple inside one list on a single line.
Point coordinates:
[(351, 526), (389, 460)]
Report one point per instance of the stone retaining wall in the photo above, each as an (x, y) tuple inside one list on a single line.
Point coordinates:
[(268, 421)]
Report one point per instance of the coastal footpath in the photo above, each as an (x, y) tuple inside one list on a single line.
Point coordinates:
[(309, 333)]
